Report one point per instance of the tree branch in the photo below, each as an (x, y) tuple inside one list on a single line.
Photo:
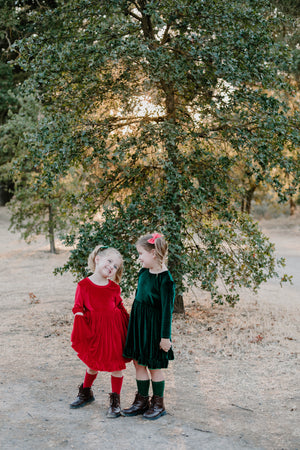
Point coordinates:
[(166, 35), (134, 16), (120, 122)]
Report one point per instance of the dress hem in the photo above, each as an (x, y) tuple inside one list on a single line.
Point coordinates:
[(150, 363), (105, 368)]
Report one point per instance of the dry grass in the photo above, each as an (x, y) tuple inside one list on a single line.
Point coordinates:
[(235, 332)]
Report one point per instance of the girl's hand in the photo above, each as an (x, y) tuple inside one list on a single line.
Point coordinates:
[(165, 344)]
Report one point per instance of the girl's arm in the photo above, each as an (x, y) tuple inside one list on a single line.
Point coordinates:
[(123, 310), (78, 308), (81, 332), (165, 344), (167, 292), (119, 304)]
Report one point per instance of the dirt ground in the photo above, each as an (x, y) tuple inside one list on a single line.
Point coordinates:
[(233, 385)]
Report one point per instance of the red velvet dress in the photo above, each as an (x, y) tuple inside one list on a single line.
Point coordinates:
[(99, 335)]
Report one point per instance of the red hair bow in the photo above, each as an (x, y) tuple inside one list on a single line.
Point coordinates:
[(154, 237)]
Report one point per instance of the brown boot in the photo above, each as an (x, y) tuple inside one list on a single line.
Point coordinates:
[(139, 406), (85, 395), (157, 408), (114, 409)]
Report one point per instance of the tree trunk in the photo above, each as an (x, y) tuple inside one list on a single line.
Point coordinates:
[(292, 206), (249, 198), (243, 204), (51, 230), (173, 188), (6, 192), (179, 305), (174, 199)]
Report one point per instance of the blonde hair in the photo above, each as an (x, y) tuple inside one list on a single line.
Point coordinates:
[(103, 251), (160, 246)]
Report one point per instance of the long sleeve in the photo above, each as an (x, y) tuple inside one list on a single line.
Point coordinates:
[(81, 332), (119, 303), (167, 291), (123, 310), (79, 301)]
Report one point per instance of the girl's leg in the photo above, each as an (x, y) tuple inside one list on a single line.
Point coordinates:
[(90, 377), (114, 409), (85, 394), (116, 382), (142, 379), (158, 382), (157, 407), (157, 375), (141, 401), (141, 371)]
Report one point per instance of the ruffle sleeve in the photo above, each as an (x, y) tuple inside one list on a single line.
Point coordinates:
[(79, 302), (81, 332)]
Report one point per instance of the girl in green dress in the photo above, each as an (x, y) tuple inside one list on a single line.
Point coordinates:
[(148, 340)]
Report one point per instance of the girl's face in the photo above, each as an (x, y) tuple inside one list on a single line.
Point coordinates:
[(107, 265), (147, 259)]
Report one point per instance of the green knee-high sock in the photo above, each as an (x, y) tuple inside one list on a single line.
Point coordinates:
[(158, 388), (143, 387)]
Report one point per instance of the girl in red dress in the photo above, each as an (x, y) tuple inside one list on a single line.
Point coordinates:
[(100, 326)]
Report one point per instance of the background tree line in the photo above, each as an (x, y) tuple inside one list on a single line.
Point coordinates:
[(123, 117)]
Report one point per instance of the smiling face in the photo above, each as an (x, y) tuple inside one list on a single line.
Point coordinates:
[(146, 258), (107, 265)]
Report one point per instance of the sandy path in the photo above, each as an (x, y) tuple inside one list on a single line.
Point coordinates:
[(234, 383)]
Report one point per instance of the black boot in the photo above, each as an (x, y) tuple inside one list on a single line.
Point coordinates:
[(157, 408), (85, 395), (139, 406), (114, 409)]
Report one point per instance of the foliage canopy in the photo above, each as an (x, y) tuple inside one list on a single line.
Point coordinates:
[(158, 105)]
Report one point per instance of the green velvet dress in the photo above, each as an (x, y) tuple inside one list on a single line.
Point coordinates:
[(151, 319)]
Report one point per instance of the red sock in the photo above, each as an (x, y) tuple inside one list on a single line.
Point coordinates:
[(116, 384), (89, 379)]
